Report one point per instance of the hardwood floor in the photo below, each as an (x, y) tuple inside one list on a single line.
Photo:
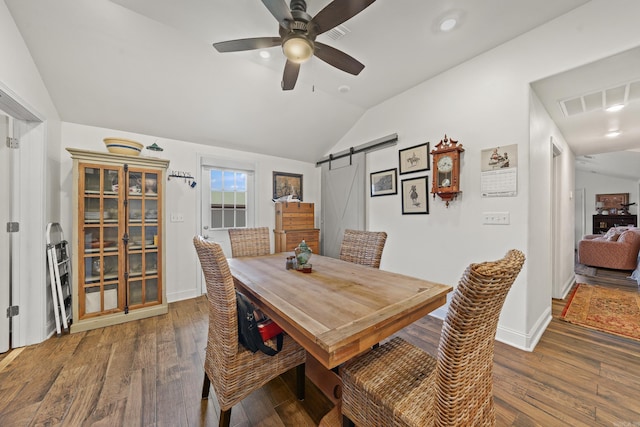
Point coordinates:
[(149, 373)]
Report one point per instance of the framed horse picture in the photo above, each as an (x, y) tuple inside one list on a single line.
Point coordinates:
[(414, 159)]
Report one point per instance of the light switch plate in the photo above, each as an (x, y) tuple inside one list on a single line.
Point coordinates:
[(495, 218)]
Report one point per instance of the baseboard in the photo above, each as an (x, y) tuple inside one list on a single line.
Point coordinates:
[(527, 341), (509, 336), (182, 295), (440, 312), (568, 285)]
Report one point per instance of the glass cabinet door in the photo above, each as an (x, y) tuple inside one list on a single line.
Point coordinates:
[(100, 233), (143, 219)]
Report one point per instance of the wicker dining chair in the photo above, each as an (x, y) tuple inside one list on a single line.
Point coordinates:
[(235, 371), (399, 384), (249, 241), (363, 247)]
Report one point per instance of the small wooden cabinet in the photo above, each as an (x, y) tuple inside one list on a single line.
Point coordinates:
[(118, 217), (602, 223), (294, 223)]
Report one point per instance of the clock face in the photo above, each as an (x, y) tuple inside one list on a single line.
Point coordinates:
[(445, 164)]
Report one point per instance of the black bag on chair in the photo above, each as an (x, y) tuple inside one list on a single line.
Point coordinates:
[(248, 328)]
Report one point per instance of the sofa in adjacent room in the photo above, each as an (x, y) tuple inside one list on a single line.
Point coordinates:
[(617, 249)]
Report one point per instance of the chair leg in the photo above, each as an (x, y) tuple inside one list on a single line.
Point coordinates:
[(300, 379), (205, 386), (225, 418), (346, 422)]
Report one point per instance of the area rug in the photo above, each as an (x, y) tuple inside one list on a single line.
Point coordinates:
[(609, 310)]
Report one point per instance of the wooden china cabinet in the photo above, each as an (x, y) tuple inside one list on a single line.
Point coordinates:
[(118, 238)]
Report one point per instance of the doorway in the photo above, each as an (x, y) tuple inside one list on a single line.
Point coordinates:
[(227, 199), (5, 252)]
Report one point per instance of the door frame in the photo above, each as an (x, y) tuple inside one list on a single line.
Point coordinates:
[(206, 163), (6, 190), (30, 207)]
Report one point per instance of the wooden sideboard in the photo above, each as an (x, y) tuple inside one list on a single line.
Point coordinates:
[(294, 223), (602, 223)]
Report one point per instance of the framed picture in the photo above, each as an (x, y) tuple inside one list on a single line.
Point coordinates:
[(414, 159), (608, 201), (384, 183), (287, 184), (415, 196)]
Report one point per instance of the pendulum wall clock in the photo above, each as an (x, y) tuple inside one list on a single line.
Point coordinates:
[(446, 169)]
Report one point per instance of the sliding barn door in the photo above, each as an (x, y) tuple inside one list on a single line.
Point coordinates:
[(343, 200)]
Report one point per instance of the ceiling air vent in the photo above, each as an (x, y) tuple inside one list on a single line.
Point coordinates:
[(601, 99), (336, 33), (634, 91)]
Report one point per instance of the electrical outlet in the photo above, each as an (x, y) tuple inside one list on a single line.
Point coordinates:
[(177, 217), (495, 218)]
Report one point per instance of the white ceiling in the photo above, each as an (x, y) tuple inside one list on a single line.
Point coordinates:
[(147, 66)]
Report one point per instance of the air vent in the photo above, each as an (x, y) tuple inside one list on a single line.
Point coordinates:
[(601, 99), (336, 33), (634, 91)]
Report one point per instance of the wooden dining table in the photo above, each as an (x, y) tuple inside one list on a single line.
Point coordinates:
[(339, 309)]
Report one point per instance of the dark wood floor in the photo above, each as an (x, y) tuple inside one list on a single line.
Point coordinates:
[(149, 373)]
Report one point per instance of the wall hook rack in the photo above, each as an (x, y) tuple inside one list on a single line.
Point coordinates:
[(185, 176)]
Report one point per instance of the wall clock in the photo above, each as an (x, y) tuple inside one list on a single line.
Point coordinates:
[(446, 169)]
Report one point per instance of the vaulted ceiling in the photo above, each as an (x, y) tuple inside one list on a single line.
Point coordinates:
[(147, 66)]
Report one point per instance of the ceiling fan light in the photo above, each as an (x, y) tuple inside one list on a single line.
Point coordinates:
[(297, 49)]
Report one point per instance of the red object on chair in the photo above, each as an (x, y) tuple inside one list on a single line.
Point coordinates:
[(269, 329)]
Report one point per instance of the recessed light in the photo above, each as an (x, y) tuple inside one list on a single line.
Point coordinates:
[(265, 54), (448, 24), (613, 134), (615, 107), (344, 89)]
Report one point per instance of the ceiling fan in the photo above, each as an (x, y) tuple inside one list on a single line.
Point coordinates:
[(298, 32)]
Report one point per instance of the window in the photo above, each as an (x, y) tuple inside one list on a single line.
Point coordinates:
[(229, 196)]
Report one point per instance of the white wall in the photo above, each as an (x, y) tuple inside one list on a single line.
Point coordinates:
[(182, 268), (561, 214), (483, 103), (38, 185)]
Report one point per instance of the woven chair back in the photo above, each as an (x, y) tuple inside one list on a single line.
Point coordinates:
[(223, 321), (363, 247), (249, 241), (464, 378)]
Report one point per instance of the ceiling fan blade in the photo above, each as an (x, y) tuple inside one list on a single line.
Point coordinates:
[(290, 76), (280, 11), (337, 12), (338, 59), (247, 44)]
